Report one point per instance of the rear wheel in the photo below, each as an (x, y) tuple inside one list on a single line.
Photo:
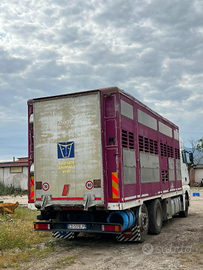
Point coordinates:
[(185, 213), (144, 223), (155, 217)]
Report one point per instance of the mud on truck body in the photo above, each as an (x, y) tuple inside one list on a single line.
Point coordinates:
[(101, 161)]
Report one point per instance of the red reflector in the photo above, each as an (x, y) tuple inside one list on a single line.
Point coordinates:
[(128, 233), (42, 226), (112, 228)]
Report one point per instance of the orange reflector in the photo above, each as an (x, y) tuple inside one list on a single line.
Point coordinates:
[(112, 228), (41, 226)]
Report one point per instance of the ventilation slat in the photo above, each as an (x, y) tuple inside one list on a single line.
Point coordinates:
[(164, 176), (124, 139), (141, 144), (131, 140)]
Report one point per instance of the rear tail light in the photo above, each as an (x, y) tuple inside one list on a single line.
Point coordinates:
[(112, 228), (41, 226)]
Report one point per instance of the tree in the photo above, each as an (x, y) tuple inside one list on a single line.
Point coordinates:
[(197, 150), (200, 145)]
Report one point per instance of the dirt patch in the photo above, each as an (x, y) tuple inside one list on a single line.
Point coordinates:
[(179, 246), (22, 200)]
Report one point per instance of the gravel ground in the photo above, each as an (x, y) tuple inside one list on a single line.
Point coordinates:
[(179, 246), (23, 200)]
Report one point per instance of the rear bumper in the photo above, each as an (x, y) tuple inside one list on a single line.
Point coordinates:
[(86, 227)]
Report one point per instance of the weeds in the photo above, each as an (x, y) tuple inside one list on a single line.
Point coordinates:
[(14, 259), (5, 190), (17, 234)]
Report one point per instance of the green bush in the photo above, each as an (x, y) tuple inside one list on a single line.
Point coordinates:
[(5, 190)]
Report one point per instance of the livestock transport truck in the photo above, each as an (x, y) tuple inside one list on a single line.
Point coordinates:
[(100, 161)]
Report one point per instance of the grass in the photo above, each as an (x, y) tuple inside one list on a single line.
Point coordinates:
[(18, 239), (17, 231), (5, 190), (15, 258)]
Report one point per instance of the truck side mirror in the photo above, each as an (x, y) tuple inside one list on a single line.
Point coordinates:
[(184, 157), (191, 157)]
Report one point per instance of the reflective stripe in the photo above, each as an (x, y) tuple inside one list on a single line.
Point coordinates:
[(65, 190), (32, 192), (69, 199), (114, 176)]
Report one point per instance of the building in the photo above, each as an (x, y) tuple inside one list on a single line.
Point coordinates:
[(196, 175), (15, 173)]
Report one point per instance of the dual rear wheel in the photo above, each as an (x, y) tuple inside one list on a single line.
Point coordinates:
[(151, 219), (155, 217)]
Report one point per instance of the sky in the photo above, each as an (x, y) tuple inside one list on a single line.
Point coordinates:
[(152, 49)]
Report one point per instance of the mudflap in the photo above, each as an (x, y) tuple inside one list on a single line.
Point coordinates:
[(64, 235), (130, 235), (138, 232)]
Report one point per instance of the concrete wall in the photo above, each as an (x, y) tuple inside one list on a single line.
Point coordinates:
[(14, 179), (198, 174)]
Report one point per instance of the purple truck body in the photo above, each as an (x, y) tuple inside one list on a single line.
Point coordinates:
[(140, 153)]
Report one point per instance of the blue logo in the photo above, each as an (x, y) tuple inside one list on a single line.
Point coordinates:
[(66, 150)]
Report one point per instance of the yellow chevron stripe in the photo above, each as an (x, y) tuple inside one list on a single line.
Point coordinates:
[(114, 184), (32, 188)]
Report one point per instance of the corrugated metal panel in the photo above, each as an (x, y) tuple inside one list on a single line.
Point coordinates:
[(149, 168), (171, 169), (171, 163), (13, 164), (129, 166), (126, 109), (149, 175), (146, 120), (129, 175), (149, 161), (164, 129), (176, 135), (178, 169), (129, 157)]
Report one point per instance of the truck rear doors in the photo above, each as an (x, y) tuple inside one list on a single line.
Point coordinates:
[(67, 149)]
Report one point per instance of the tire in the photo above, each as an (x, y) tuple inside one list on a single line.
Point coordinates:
[(155, 217), (185, 213), (144, 223)]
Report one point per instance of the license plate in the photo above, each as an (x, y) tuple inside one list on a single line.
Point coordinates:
[(76, 226)]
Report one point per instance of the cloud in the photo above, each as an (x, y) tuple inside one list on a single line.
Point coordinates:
[(11, 64), (151, 49)]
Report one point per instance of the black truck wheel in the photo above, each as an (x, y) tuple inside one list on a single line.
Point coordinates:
[(155, 216), (144, 223), (185, 213)]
